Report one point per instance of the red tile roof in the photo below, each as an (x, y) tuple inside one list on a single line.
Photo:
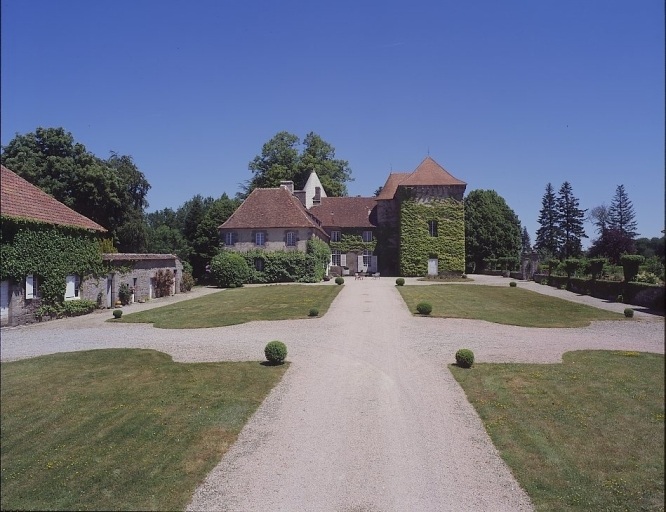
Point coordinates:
[(391, 186), (272, 208), (431, 173), (346, 212), (428, 173), (21, 199)]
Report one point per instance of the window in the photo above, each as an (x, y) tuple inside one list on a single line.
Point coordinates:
[(335, 258), (367, 257), (367, 236), (259, 264), (230, 238), (432, 227), (72, 287), (31, 286), (260, 238), (335, 236), (291, 238)]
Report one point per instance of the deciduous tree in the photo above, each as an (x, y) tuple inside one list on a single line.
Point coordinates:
[(492, 229), (280, 160), (111, 192)]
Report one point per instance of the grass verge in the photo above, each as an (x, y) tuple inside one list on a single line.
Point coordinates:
[(239, 305), (587, 434), (120, 429), (503, 305)]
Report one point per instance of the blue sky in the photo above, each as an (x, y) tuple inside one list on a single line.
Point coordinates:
[(505, 95)]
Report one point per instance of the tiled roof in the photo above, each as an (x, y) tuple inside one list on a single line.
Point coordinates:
[(21, 199), (129, 256), (391, 185), (431, 173), (428, 173), (346, 212), (272, 208)]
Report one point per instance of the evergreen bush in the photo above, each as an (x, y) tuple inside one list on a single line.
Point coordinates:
[(424, 308), (628, 312), (465, 358), (513, 284), (229, 269), (186, 282), (313, 312), (275, 352), (339, 280), (117, 313), (124, 293), (630, 266), (400, 281)]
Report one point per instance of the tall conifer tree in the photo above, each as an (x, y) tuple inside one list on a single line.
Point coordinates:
[(548, 235), (570, 220), (621, 213)]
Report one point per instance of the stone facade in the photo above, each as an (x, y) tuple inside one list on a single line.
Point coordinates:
[(275, 239), (141, 270)]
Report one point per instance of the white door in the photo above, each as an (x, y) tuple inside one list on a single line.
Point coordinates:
[(432, 267), (109, 289), (4, 303), (359, 265)]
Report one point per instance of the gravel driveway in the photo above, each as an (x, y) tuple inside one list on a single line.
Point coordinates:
[(367, 418)]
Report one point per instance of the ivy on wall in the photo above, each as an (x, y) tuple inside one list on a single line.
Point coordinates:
[(416, 244), (290, 266), (353, 242), (49, 252)]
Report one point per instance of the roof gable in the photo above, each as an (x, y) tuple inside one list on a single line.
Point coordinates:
[(271, 208), (21, 199)]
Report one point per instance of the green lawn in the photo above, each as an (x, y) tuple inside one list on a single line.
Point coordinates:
[(240, 305), (503, 305), (120, 429), (584, 435)]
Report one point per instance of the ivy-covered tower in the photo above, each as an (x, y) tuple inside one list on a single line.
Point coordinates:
[(421, 222)]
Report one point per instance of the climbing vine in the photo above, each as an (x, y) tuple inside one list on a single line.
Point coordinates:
[(417, 244), (49, 252), (352, 242)]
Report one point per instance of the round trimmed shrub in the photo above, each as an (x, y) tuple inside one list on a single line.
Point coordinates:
[(313, 312), (229, 270), (513, 284), (275, 352), (400, 281), (628, 312), (117, 313), (465, 358), (424, 308), (339, 280)]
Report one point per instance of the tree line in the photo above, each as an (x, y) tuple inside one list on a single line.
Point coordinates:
[(113, 193)]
